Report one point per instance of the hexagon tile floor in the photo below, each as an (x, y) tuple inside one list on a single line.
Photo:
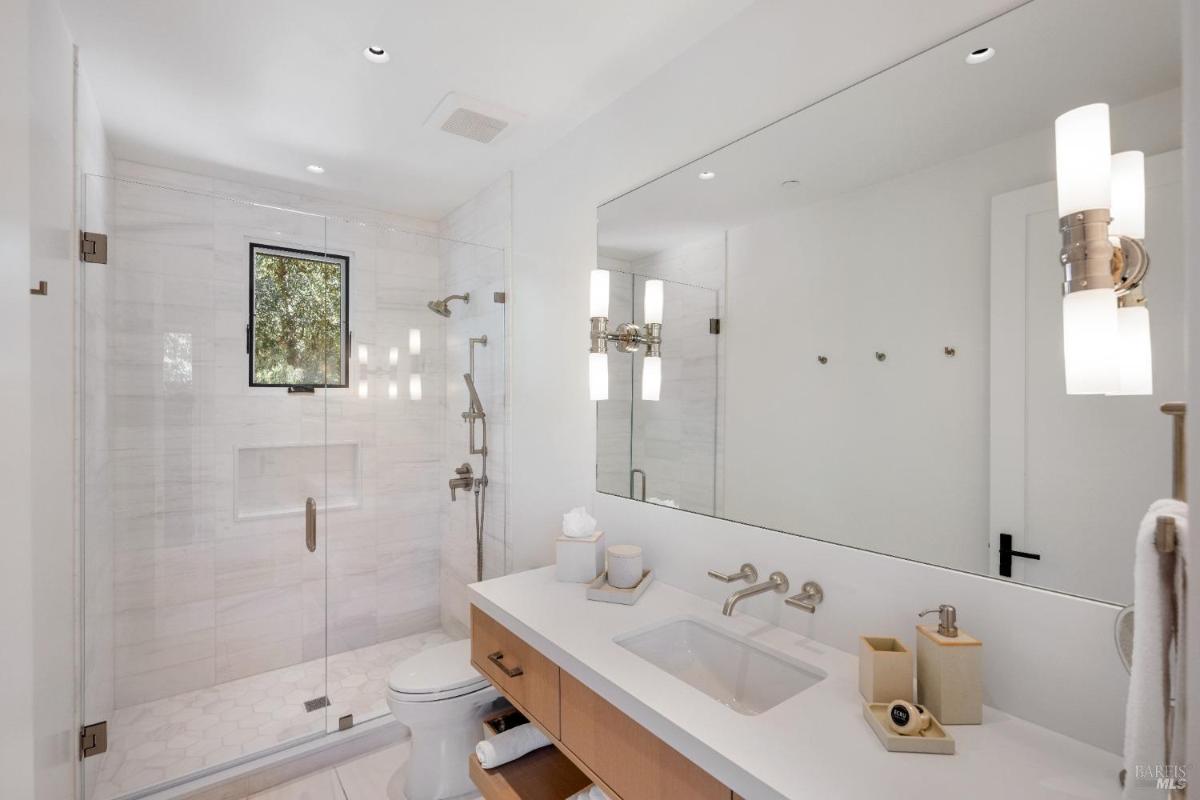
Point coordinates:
[(166, 739)]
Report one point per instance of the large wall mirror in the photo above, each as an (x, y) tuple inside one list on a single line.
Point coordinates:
[(850, 324)]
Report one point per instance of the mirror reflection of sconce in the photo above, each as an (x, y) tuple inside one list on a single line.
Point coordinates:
[(1102, 217), (629, 338)]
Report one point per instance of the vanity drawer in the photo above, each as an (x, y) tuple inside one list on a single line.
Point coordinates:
[(635, 763), (525, 675)]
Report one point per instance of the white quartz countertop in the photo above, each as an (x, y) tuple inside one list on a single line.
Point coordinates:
[(815, 744)]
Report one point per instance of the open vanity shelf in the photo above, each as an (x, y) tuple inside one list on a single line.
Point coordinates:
[(544, 774)]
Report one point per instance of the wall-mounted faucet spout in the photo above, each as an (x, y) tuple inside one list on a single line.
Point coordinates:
[(777, 582)]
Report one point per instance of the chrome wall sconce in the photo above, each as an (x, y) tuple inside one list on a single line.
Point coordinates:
[(1102, 217), (628, 337)]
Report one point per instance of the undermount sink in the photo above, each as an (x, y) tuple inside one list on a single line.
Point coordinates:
[(732, 670)]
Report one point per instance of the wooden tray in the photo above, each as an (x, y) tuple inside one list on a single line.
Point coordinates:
[(600, 590), (933, 739)]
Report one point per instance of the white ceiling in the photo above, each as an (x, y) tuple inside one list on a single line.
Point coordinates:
[(259, 89), (1051, 56)]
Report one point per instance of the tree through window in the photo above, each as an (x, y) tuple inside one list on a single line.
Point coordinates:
[(299, 310)]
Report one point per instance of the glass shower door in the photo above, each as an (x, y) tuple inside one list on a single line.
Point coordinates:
[(203, 590)]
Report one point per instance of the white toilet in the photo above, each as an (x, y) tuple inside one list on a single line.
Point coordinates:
[(443, 700)]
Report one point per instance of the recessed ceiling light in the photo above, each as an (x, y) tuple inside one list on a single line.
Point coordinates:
[(980, 55), (376, 55), (315, 169), (707, 175)]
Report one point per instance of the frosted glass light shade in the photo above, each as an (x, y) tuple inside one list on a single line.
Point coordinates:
[(393, 356), (363, 388), (651, 378), (393, 390), (599, 293), (654, 302), (414, 387), (1090, 342), (362, 354), (1083, 152), (598, 375), (1136, 364), (414, 341), (1128, 196)]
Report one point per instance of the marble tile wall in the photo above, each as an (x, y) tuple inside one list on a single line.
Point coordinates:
[(486, 219), (199, 596)]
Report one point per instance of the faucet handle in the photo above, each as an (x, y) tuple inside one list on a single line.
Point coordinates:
[(463, 470), (811, 595), (747, 573)]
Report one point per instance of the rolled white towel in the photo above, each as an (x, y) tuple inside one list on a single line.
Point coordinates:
[(596, 793), (583, 794), (510, 745)]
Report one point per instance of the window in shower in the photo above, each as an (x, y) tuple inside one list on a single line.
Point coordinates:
[(298, 336)]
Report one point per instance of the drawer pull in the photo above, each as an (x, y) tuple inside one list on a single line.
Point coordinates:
[(497, 658)]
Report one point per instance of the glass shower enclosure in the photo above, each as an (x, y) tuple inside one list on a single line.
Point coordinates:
[(268, 416)]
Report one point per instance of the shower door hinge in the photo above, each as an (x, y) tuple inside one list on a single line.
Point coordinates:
[(714, 325), (499, 297), (93, 739), (346, 723), (93, 247)]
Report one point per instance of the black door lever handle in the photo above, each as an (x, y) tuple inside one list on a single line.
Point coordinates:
[(1007, 553)]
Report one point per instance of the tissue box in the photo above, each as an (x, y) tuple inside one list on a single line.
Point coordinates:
[(579, 560)]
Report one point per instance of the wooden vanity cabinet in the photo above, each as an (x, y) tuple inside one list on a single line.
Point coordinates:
[(605, 745), (630, 759), (525, 676)]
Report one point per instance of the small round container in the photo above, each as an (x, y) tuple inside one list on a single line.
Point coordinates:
[(624, 566)]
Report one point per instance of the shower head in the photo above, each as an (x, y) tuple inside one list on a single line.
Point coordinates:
[(442, 307)]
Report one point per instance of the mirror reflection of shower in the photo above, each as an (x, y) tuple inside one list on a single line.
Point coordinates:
[(464, 475), (442, 307)]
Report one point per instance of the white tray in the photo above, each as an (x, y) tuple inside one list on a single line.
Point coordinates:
[(600, 590)]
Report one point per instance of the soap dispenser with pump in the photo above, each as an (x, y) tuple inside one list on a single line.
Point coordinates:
[(949, 670)]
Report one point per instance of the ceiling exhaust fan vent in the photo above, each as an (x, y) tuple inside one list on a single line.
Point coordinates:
[(473, 125), (471, 119)]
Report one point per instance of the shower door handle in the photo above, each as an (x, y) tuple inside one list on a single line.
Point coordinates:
[(310, 524)]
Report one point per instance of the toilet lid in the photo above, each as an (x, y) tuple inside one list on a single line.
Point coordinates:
[(444, 668)]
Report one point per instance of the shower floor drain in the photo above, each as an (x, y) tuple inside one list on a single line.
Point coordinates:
[(316, 703)]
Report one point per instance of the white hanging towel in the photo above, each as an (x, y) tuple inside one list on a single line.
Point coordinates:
[(1159, 607)]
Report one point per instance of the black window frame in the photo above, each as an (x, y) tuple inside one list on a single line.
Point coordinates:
[(346, 337)]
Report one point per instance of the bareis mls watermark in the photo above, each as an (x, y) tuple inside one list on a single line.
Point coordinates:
[(1161, 776)]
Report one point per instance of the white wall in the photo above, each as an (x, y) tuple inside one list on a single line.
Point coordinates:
[(774, 58), (16, 578)]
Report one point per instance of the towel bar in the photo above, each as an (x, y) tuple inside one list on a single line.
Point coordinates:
[(1164, 535)]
